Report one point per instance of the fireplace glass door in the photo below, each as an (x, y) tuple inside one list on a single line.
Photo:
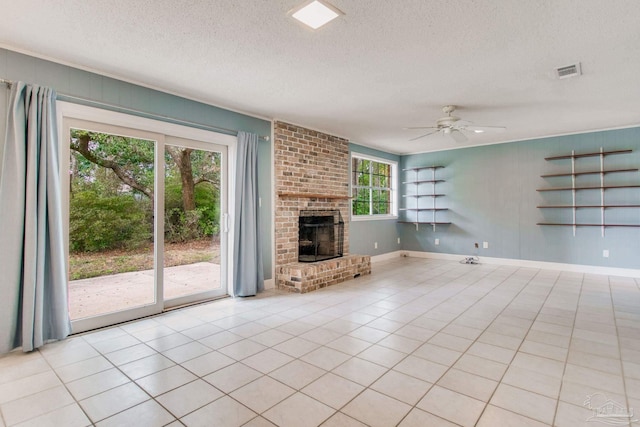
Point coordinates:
[(321, 235)]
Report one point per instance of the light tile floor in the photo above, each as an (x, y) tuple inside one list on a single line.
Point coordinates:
[(417, 343)]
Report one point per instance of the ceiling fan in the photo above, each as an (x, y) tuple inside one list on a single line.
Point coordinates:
[(453, 126)]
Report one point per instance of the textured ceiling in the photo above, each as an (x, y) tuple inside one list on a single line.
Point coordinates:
[(383, 66)]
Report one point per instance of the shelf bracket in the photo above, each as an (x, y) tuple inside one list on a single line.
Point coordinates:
[(602, 190), (573, 189)]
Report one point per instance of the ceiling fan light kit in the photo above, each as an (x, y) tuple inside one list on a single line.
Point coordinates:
[(454, 127)]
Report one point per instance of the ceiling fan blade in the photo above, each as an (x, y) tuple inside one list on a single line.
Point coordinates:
[(426, 134), (461, 124), (458, 136), (480, 129), (420, 127)]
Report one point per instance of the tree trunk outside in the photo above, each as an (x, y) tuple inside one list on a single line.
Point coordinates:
[(183, 160)]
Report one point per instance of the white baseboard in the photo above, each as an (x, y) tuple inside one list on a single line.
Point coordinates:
[(269, 284), (575, 268), (386, 257), (432, 255)]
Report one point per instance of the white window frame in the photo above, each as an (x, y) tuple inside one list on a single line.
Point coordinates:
[(393, 188)]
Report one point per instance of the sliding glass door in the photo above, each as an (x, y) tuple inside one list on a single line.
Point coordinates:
[(145, 221), (194, 202)]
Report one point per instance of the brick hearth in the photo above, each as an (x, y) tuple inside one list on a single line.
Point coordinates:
[(304, 277)]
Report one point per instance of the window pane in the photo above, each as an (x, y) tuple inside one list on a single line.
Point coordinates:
[(191, 221), (384, 180), (371, 187), (374, 181), (355, 164), (111, 228), (363, 195), (363, 179), (375, 201), (364, 175), (384, 206)]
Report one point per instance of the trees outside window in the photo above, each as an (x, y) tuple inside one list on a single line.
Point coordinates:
[(112, 194), (372, 186)]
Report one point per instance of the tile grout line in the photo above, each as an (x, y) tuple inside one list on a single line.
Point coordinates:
[(76, 401), (564, 367), (133, 381), (353, 356), (473, 341), (397, 363), (615, 321), (521, 343)]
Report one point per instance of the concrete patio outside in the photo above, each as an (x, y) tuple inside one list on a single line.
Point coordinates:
[(106, 294)]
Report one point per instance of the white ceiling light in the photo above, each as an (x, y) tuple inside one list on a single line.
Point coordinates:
[(316, 13)]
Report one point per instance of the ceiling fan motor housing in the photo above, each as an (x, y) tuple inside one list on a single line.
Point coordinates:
[(447, 122), (448, 109)]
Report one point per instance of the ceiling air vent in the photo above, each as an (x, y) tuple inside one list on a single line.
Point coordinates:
[(572, 70)]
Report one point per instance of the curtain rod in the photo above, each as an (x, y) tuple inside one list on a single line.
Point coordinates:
[(71, 98)]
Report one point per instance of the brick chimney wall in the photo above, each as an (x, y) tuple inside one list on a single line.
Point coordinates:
[(310, 163)]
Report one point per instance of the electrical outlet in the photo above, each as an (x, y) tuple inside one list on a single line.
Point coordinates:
[(605, 253), (476, 245), (375, 245), (437, 242), (398, 240), (485, 245)]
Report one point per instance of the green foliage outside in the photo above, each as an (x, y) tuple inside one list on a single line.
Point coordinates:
[(200, 223), (98, 222), (371, 182), (112, 193)]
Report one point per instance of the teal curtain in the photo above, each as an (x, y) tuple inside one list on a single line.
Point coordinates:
[(34, 306), (248, 277)]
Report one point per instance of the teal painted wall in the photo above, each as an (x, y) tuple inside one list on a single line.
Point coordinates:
[(492, 197), (491, 190), (71, 81), (364, 234)]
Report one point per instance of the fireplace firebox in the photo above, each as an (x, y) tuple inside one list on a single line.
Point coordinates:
[(321, 235)]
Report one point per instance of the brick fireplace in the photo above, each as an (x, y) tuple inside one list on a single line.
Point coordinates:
[(311, 174)]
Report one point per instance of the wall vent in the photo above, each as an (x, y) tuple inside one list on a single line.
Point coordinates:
[(572, 70)]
